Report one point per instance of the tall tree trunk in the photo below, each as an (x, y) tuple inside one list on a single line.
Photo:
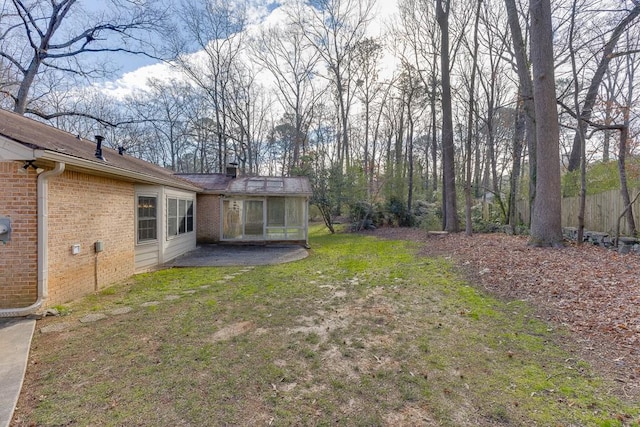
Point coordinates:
[(546, 225), (448, 154), (622, 155), (592, 92), (526, 94), (518, 136), (579, 129), (410, 163), (434, 138), (468, 228)]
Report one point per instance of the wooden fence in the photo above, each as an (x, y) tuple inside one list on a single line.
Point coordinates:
[(601, 211)]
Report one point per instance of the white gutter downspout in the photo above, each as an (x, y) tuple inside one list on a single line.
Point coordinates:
[(43, 241)]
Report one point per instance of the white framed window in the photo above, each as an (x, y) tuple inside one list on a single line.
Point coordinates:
[(147, 218), (179, 216)]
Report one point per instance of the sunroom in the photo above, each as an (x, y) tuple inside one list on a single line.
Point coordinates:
[(252, 210), (265, 209), (265, 218)]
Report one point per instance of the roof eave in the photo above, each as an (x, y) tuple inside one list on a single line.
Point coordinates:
[(112, 171), (263, 194)]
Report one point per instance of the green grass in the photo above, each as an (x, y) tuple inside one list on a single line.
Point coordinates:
[(362, 332)]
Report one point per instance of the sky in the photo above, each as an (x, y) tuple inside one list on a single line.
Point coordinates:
[(135, 70)]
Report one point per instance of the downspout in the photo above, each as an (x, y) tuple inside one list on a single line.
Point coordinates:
[(43, 240)]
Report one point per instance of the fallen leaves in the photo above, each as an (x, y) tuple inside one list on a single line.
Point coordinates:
[(593, 292)]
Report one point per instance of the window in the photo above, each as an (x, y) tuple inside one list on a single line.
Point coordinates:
[(147, 219), (179, 216)]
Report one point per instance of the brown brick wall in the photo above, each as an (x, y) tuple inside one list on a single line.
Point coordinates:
[(82, 210), (19, 257), (208, 218)]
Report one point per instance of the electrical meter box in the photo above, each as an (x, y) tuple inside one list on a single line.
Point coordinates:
[(5, 229)]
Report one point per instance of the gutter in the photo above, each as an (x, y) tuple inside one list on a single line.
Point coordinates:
[(91, 166), (43, 240)]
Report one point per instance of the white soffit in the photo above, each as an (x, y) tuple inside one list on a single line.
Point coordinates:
[(11, 150)]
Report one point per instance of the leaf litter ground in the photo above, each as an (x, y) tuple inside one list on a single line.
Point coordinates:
[(592, 291)]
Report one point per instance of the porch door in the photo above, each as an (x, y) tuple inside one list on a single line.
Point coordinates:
[(254, 219)]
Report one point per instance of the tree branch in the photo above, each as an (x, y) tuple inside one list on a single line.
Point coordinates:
[(100, 120), (588, 121), (625, 53), (13, 61)]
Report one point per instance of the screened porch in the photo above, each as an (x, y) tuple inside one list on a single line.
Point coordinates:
[(269, 219)]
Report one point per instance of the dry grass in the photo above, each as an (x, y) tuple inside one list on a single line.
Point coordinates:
[(363, 332)]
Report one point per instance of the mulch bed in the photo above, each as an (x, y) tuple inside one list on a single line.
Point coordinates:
[(591, 291)]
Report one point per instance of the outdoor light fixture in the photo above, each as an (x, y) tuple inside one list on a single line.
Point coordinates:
[(29, 163)]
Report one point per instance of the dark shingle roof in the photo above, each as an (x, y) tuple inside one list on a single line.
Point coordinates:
[(81, 152), (209, 182)]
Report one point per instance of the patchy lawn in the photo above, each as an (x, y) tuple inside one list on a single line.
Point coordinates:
[(365, 331)]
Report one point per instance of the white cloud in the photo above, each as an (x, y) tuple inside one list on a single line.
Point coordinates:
[(262, 13), (137, 79)]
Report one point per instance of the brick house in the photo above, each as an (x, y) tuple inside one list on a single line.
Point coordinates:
[(76, 217)]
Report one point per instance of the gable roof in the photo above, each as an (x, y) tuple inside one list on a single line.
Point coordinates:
[(22, 138)]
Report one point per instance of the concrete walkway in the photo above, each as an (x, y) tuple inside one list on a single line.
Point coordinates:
[(236, 255), (15, 341)]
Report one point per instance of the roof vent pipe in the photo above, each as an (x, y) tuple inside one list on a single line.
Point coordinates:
[(232, 170), (121, 150), (99, 139)]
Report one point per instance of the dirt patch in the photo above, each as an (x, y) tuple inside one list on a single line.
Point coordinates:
[(591, 291), (232, 330)]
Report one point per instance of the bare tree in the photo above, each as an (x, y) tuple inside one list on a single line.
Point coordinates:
[(334, 28), (41, 38), (286, 54), (369, 89), (525, 92), (623, 148), (163, 107), (592, 91), (470, 120), (215, 31)]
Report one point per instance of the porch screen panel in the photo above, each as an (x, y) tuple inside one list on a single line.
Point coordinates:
[(295, 212), (275, 218), (254, 219), (275, 212), (294, 218), (232, 219)]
